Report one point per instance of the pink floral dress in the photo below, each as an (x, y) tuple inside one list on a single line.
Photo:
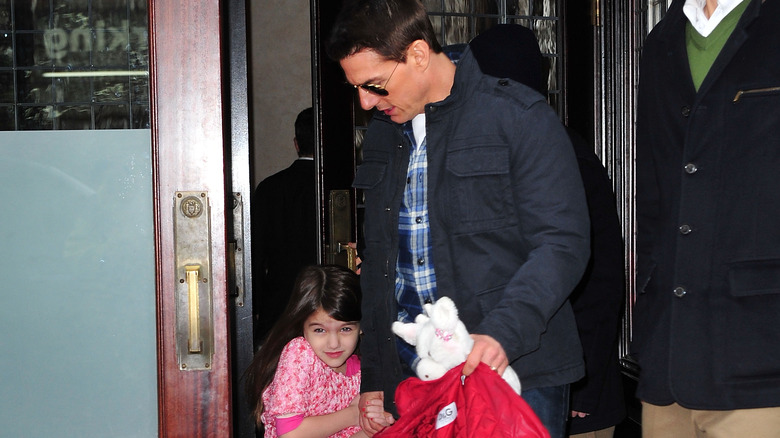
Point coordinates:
[(304, 384)]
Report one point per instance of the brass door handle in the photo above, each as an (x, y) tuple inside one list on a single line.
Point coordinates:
[(193, 279), (340, 213), (351, 255)]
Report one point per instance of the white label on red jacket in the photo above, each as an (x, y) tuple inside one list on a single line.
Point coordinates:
[(447, 415)]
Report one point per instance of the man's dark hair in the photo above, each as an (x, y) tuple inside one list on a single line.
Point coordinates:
[(304, 132), (386, 27)]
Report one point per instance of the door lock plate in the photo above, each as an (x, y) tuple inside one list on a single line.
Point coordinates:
[(194, 312)]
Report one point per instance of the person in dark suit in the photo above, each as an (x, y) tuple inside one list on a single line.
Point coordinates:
[(284, 229), (706, 332), (597, 405)]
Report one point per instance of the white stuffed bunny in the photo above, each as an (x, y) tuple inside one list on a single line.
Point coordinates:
[(442, 341)]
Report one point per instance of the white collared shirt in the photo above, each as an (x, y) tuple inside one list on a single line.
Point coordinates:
[(418, 126), (694, 10)]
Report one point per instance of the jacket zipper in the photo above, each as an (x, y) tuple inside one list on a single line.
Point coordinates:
[(747, 93)]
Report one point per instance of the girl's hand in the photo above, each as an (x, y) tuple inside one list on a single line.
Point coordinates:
[(374, 411), (369, 426)]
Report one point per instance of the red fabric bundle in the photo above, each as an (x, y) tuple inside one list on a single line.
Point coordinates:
[(480, 405)]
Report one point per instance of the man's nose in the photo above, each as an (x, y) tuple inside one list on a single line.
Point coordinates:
[(368, 99)]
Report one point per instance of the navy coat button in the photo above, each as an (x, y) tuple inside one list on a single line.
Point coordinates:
[(691, 168), (680, 292), (686, 111), (685, 229)]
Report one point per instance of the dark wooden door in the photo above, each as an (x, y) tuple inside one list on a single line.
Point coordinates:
[(189, 155)]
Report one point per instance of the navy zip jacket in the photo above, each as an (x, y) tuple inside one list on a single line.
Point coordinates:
[(509, 227)]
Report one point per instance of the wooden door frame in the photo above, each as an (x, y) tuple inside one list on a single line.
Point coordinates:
[(188, 152)]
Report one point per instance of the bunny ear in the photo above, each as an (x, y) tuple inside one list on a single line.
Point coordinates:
[(445, 304), (421, 319), (445, 314), (406, 331)]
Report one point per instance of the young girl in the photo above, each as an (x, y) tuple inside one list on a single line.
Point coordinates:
[(305, 380)]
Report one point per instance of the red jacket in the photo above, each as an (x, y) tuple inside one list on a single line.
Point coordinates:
[(480, 405)]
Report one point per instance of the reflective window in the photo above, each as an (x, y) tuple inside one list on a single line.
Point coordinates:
[(73, 64)]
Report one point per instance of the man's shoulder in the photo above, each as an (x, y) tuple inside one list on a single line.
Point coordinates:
[(296, 168), (481, 87), (672, 23), (514, 92)]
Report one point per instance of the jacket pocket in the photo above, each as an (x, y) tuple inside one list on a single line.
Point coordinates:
[(755, 92), (479, 195), (369, 174), (754, 277), (745, 326)]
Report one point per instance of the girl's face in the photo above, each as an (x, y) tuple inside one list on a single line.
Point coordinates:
[(333, 341)]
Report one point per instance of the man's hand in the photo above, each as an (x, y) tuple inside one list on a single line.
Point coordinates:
[(369, 421), (488, 351)]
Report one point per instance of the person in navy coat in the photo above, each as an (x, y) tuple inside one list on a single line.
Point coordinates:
[(706, 330)]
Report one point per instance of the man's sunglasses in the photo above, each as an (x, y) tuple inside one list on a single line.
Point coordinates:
[(379, 90)]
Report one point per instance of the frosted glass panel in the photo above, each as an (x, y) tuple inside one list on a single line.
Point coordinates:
[(77, 292)]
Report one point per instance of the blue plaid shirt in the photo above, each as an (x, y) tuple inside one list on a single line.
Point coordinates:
[(415, 282)]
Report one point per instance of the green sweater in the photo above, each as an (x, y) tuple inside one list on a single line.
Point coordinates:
[(702, 51)]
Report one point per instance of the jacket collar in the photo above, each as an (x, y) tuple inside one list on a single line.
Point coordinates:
[(671, 33), (465, 73), (732, 46), (675, 20)]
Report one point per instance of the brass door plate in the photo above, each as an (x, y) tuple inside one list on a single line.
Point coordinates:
[(194, 312)]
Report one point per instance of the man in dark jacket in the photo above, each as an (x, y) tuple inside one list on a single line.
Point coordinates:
[(284, 229), (706, 333), (471, 191)]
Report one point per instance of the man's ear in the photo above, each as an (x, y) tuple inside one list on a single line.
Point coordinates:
[(419, 52)]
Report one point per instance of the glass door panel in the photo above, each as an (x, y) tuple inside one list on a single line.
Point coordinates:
[(77, 311)]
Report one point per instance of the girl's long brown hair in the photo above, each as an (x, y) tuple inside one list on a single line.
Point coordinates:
[(333, 288)]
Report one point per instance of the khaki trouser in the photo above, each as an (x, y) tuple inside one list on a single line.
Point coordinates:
[(679, 422), (603, 433)]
